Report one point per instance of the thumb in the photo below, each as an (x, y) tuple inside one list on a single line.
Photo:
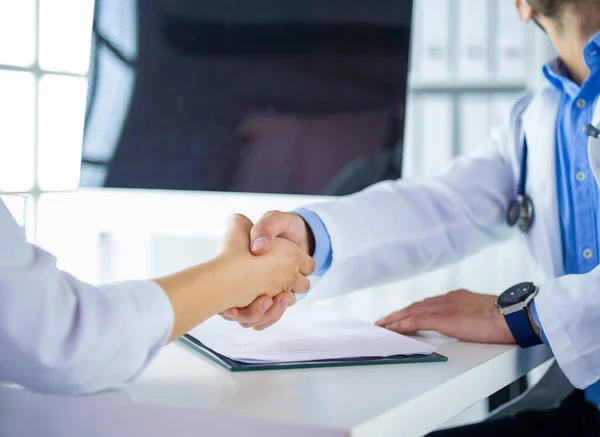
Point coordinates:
[(238, 232), (270, 226)]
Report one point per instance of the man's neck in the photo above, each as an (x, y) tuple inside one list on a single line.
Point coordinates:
[(575, 35)]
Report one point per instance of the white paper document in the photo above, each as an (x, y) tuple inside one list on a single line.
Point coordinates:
[(303, 337)]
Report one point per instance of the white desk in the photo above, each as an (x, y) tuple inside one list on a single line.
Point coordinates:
[(183, 394)]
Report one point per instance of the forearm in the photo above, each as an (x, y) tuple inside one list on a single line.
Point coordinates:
[(61, 335), (404, 228), (200, 292)]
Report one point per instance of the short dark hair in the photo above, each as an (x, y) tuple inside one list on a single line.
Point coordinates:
[(551, 8)]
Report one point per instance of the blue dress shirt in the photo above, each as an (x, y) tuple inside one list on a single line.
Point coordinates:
[(578, 194), (323, 254)]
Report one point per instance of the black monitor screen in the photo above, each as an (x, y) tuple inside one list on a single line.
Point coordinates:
[(268, 96)]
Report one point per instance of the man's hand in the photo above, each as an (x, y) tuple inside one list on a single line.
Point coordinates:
[(264, 311), (261, 313), (460, 314), (283, 269), (287, 225)]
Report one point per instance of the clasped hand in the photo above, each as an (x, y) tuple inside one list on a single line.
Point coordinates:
[(273, 229)]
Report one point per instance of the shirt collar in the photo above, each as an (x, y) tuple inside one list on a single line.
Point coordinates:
[(556, 73), (594, 45)]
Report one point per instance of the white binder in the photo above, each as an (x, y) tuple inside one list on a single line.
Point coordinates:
[(437, 132), (432, 32), (410, 160), (473, 41), (510, 43)]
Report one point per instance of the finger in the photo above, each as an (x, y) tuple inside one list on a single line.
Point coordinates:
[(398, 315), (427, 305), (301, 286), (268, 324), (307, 265), (238, 232), (270, 226), (255, 311), (276, 312), (290, 301), (230, 314), (413, 324)]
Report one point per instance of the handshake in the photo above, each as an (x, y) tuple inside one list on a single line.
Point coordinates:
[(273, 258), (262, 266)]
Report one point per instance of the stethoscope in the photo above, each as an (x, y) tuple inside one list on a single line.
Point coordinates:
[(520, 210)]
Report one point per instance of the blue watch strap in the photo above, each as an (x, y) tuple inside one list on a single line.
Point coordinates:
[(521, 328)]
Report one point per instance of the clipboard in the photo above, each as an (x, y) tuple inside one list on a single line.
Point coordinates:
[(238, 366)]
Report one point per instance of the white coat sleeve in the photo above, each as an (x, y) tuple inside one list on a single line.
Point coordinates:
[(60, 335), (569, 312), (398, 229)]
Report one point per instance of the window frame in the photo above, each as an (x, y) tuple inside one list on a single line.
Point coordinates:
[(35, 191)]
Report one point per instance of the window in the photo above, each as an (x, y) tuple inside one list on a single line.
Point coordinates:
[(44, 58)]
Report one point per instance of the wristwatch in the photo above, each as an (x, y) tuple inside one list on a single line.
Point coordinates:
[(513, 305)]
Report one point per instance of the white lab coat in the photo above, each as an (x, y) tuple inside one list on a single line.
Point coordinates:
[(398, 229)]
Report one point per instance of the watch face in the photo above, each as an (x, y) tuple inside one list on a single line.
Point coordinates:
[(514, 295)]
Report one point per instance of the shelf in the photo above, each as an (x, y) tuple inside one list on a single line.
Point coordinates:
[(466, 85)]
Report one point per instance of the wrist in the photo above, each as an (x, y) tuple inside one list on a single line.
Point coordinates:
[(235, 275), (514, 304), (318, 240), (503, 327), (242, 278), (193, 296), (534, 325), (310, 238)]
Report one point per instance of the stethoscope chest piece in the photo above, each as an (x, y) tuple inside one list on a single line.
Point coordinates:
[(514, 210), (521, 213), (520, 210)]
